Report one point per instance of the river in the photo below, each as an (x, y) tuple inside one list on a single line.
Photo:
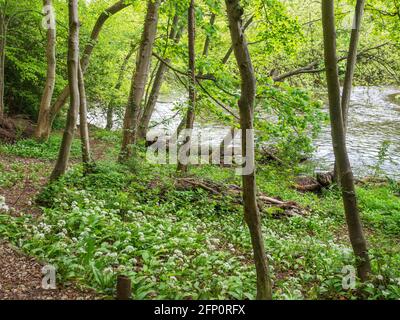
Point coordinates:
[(373, 139), (374, 122)]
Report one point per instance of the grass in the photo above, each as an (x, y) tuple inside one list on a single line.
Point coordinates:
[(29, 148), (180, 244)]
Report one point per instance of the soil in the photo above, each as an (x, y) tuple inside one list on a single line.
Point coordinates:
[(21, 279), (21, 276)]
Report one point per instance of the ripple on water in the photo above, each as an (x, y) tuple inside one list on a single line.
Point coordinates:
[(374, 119)]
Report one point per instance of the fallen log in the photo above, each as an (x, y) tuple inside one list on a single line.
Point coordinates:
[(199, 184), (289, 208)]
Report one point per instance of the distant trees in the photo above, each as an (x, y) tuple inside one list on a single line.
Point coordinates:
[(9, 11), (111, 106), (345, 173)]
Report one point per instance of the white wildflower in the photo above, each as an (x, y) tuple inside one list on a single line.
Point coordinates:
[(129, 249)]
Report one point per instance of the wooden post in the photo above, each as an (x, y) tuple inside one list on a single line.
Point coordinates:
[(124, 288)]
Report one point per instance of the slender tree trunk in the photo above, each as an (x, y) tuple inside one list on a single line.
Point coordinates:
[(139, 79), (351, 64), (230, 50), (73, 66), (83, 125), (110, 116), (63, 97), (352, 60), (246, 106), (183, 167), (110, 108), (3, 34), (208, 38), (152, 101), (356, 233), (175, 35), (45, 105)]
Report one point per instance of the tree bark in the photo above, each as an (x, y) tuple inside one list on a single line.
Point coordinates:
[(352, 60), (246, 106), (83, 125), (183, 167), (110, 108), (104, 16), (355, 228), (139, 79), (208, 38), (351, 64), (45, 105), (73, 75), (175, 35), (230, 50), (3, 34)]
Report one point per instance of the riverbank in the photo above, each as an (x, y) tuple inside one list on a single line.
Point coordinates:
[(178, 241)]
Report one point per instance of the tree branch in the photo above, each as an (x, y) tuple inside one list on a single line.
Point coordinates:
[(312, 67)]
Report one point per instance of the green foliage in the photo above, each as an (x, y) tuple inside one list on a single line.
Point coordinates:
[(382, 157), (289, 119), (30, 148), (382, 209), (188, 244)]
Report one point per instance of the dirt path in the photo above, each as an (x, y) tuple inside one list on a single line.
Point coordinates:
[(21, 279), (21, 276)]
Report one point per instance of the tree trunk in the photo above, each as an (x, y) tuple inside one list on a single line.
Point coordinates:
[(175, 35), (139, 79), (3, 34), (351, 64), (352, 60), (246, 106), (104, 16), (339, 143), (208, 38), (41, 130), (228, 54), (73, 66), (183, 167), (83, 125), (110, 108)]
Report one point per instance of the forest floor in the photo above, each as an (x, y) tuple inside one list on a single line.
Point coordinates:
[(21, 275), (179, 237), (21, 279)]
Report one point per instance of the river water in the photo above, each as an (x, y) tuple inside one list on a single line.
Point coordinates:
[(373, 137), (374, 126)]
